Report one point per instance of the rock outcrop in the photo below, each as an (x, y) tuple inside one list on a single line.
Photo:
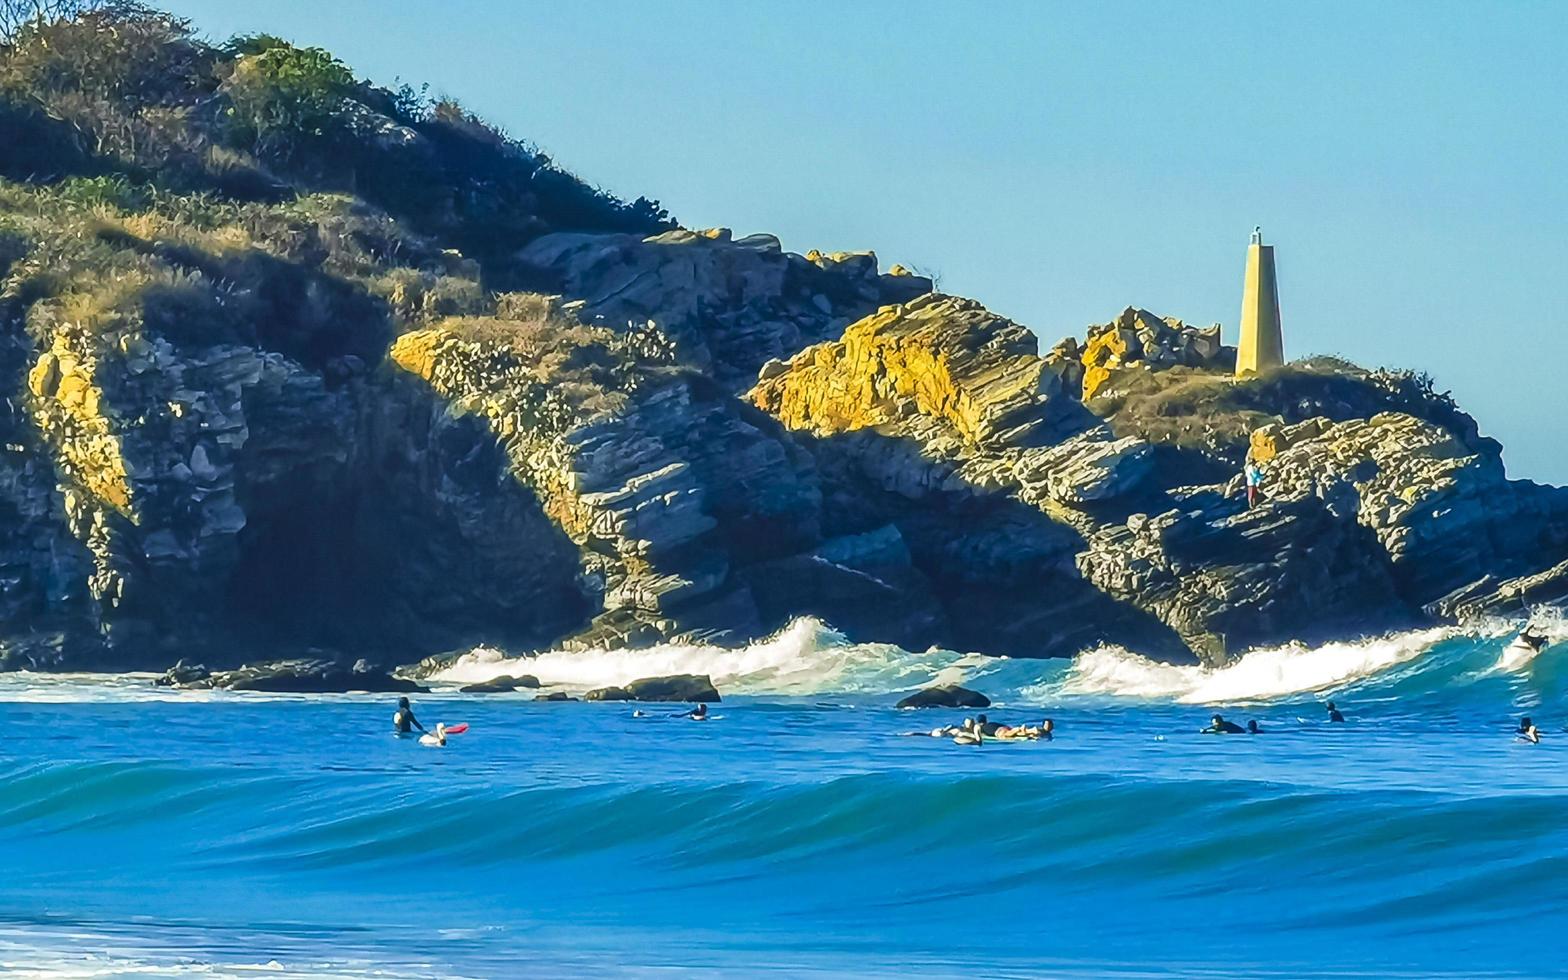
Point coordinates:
[(729, 304), (1139, 339), (690, 688), (1368, 522), (310, 676), (945, 696), (505, 684)]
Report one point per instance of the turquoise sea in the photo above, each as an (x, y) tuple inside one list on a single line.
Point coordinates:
[(145, 832)]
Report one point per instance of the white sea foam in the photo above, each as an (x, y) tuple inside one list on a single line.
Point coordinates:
[(1260, 675), (806, 657)]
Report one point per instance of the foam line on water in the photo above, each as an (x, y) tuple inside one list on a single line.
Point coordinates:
[(1260, 675)]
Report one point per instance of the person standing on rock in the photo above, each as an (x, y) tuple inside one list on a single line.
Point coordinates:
[(1254, 477)]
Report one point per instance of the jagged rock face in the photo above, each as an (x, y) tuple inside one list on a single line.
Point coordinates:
[(1226, 579), (942, 357), (730, 305), (1444, 514), (663, 497), (939, 415), (1138, 338), (185, 496)]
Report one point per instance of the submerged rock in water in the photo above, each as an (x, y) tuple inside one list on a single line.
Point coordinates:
[(500, 685), (304, 676), (554, 696), (946, 696), (611, 693)]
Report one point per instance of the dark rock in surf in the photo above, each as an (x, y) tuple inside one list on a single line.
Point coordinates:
[(182, 674), (504, 684), (305, 677), (678, 687), (554, 696), (946, 696)]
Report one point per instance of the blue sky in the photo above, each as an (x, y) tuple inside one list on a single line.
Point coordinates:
[(1062, 161)]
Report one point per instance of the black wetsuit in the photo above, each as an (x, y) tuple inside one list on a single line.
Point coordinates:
[(403, 721), (1334, 715), (1223, 728)]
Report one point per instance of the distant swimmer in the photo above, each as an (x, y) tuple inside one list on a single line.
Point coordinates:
[(1219, 726), (1527, 731), (699, 713), (437, 740), (1333, 712), (403, 720), (987, 727), (1253, 728)]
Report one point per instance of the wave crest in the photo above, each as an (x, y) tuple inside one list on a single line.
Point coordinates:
[(806, 657), (1259, 675)]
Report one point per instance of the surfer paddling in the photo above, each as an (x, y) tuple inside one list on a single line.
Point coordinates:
[(1219, 726), (1527, 731)]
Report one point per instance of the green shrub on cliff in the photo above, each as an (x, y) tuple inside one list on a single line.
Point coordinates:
[(282, 98), (127, 91)]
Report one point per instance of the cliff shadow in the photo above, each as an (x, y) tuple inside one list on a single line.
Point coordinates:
[(417, 540), (1003, 572)]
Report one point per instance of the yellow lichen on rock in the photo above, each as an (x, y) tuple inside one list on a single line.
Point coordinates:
[(1102, 354), (1267, 442), (417, 351), (69, 407), (938, 356)]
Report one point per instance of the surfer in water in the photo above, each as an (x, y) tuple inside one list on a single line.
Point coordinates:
[(1535, 641), (972, 732), (1333, 713), (1527, 731), (699, 713), (1219, 726), (1024, 731), (1253, 728), (403, 720)]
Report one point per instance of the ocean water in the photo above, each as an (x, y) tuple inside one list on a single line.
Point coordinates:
[(145, 832)]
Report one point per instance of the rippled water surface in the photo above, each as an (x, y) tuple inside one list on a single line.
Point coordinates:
[(154, 833)]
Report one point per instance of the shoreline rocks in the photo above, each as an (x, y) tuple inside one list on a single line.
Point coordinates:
[(303, 676)]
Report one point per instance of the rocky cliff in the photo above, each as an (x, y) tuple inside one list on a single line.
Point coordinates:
[(260, 405)]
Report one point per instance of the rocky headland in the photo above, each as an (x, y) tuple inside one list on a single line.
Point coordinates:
[(391, 384)]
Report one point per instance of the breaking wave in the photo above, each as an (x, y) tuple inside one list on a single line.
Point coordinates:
[(811, 658), (806, 657)]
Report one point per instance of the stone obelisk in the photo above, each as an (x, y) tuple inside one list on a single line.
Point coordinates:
[(1262, 346)]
